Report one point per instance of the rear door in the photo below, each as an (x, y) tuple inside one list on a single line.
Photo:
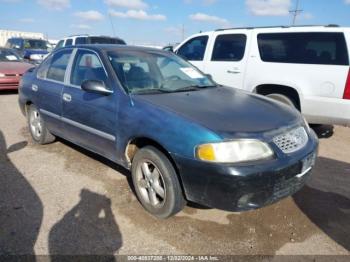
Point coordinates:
[(194, 50), (49, 86), (89, 118), (228, 58)]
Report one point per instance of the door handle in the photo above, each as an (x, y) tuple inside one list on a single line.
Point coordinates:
[(67, 97), (233, 71), (35, 88)]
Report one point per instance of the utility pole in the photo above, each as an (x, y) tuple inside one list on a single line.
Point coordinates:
[(183, 32), (296, 12)]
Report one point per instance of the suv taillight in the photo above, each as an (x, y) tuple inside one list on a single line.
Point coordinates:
[(347, 88)]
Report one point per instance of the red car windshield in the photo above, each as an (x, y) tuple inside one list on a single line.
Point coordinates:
[(8, 56)]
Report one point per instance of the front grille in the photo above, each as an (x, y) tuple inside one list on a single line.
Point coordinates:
[(287, 187), (13, 75), (292, 141)]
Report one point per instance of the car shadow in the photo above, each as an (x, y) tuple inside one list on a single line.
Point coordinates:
[(89, 229), (323, 131), (326, 199), (8, 92), (21, 210)]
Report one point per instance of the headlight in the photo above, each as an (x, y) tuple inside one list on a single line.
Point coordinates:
[(35, 57), (234, 151), (2, 75)]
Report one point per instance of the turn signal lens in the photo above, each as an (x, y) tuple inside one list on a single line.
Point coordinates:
[(206, 153)]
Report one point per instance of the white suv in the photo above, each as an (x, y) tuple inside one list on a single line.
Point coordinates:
[(306, 67), (88, 39)]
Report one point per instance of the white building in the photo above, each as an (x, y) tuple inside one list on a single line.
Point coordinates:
[(6, 34)]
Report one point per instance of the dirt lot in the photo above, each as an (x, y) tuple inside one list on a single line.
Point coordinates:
[(60, 199)]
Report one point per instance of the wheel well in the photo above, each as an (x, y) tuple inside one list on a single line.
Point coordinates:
[(137, 143), (26, 106), (280, 89)]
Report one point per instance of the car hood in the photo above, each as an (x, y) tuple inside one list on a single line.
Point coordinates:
[(227, 111), (14, 67)]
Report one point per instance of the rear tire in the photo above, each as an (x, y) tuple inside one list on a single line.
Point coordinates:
[(156, 183), (283, 99), (37, 127)]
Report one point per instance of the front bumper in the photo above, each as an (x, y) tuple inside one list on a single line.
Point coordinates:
[(245, 187), (9, 83), (337, 113)]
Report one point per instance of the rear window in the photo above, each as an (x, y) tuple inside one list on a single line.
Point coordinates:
[(69, 42), (106, 40), (304, 48), (80, 40)]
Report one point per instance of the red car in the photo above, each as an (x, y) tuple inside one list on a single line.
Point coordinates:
[(11, 69)]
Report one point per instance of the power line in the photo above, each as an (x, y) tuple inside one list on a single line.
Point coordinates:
[(296, 12)]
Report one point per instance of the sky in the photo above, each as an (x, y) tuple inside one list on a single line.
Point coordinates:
[(160, 22)]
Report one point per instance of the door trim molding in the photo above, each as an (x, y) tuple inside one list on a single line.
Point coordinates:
[(79, 125)]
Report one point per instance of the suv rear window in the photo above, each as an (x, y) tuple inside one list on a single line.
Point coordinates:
[(304, 48), (106, 40), (81, 40)]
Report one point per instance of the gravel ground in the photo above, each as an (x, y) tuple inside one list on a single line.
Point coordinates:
[(60, 199)]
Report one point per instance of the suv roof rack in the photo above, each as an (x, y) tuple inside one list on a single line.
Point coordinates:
[(78, 35), (281, 26)]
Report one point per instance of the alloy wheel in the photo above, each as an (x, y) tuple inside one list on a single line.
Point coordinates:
[(150, 183), (35, 123)]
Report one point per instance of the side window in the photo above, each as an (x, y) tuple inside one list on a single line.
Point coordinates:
[(58, 66), (229, 47), (59, 44), (304, 48), (9, 43), (87, 66), (69, 42), (194, 49), (44, 68), (80, 40)]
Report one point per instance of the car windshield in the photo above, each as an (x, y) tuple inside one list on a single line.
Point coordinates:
[(142, 72), (8, 56), (35, 44)]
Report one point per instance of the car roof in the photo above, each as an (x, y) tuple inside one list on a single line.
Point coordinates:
[(104, 36), (281, 29), (113, 47)]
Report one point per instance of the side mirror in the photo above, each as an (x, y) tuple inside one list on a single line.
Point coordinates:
[(209, 76), (96, 86), (169, 49)]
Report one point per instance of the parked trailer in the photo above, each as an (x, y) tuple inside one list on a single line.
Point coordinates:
[(6, 34)]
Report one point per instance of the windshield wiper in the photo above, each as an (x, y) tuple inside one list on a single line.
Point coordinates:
[(149, 91), (192, 88)]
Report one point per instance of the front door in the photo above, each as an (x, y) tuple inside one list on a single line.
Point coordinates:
[(228, 59), (89, 118), (194, 51)]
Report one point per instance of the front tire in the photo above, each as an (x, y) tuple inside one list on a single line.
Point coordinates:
[(283, 99), (37, 127), (156, 183)]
